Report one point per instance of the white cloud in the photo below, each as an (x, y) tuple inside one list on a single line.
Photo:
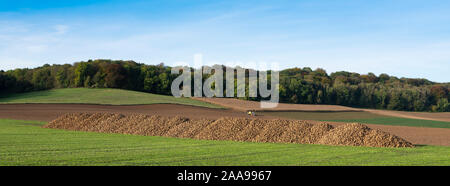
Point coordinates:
[(36, 48), (61, 29)]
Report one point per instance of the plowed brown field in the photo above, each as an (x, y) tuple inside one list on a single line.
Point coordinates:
[(233, 129), (243, 105), (49, 112)]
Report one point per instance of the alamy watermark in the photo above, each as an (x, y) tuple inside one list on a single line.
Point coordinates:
[(235, 81)]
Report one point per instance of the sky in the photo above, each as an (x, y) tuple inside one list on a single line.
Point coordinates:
[(404, 38)]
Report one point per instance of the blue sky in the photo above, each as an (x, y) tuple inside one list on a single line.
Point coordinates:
[(405, 38)]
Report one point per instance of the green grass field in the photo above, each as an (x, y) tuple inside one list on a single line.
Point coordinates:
[(99, 96), (321, 115), (360, 117), (26, 143), (400, 122)]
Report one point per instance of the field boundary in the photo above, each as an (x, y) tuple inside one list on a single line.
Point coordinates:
[(319, 111), (99, 104), (404, 115)]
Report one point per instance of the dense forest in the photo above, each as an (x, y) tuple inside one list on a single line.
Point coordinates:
[(297, 85)]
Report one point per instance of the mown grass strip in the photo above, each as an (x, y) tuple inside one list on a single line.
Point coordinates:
[(399, 122)]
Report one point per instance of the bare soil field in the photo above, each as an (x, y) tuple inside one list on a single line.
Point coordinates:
[(49, 112), (244, 105), (330, 115), (228, 128)]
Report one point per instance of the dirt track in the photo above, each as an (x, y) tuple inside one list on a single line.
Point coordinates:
[(48, 112)]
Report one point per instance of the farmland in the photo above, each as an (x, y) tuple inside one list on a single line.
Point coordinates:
[(360, 117), (26, 143), (23, 141), (99, 96)]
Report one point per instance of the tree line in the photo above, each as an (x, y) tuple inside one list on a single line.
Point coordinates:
[(297, 85)]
